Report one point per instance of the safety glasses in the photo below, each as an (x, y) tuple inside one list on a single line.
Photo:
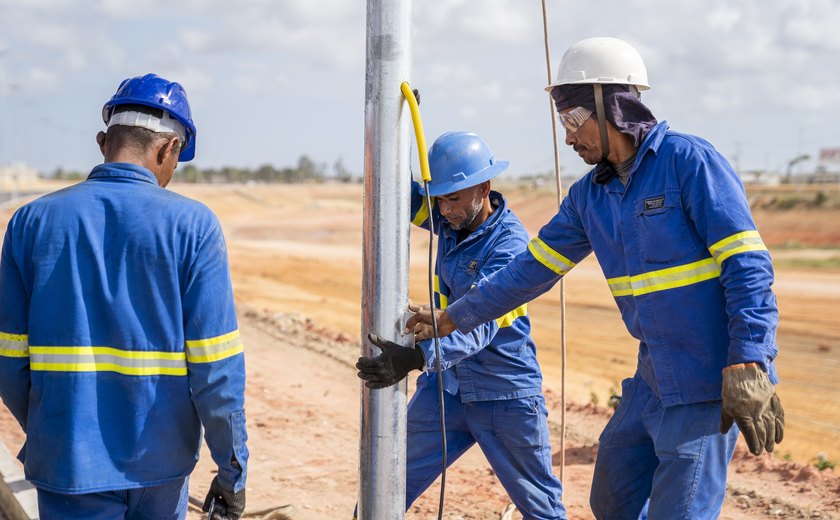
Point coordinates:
[(574, 119)]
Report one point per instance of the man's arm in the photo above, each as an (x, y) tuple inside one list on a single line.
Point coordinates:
[(561, 244), (459, 345), (215, 360), (717, 205), (420, 209), (15, 378)]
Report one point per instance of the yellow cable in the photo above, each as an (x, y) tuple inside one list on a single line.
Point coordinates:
[(422, 151)]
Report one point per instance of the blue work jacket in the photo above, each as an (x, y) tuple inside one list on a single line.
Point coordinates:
[(118, 336), (682, 257), (496, 360)]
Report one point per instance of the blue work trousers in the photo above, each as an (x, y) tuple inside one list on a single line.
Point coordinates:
[(512, 433), (165, 502), (674, 455)]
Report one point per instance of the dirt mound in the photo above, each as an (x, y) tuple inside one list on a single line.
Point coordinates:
[(303, 417)]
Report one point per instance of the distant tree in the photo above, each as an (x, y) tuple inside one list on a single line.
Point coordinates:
[(265, 173), (61, 174), (342, 174), (308, 170), (188, 174)]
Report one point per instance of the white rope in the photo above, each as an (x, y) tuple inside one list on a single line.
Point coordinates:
[(562, 280)]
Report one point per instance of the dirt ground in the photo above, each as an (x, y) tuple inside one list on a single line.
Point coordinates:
[(296, 264)]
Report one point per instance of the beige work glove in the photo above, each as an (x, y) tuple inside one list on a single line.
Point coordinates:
[(750, 400)]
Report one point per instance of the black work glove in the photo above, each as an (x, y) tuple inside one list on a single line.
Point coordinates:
[(223, 504), (750, 400), (389, 367)]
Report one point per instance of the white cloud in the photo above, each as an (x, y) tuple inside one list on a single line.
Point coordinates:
[(37, 79), (467, 112), (479, 63), (490, 20), (724, 18), (470, 83), (195, 39)]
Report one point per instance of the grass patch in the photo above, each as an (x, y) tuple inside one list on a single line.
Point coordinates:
[(822, 462)]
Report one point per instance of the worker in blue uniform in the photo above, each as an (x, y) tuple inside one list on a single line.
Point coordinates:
[(118, 333), (668, 220), (492, 381)]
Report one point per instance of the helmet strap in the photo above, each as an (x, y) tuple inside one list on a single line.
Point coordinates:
[(602, 120)]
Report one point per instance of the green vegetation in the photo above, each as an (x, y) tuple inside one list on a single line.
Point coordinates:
[(821, 462), (306, 171), (615, 395)]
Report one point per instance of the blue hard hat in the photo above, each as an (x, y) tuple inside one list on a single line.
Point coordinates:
[(153, 91), (459, 160)]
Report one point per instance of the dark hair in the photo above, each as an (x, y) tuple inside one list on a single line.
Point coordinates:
[(135, 137)]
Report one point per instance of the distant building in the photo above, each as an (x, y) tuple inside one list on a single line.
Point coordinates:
[(17, 175), (768, 178), (829, 161)]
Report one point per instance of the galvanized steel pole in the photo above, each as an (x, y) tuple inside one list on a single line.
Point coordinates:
[(385, 239)]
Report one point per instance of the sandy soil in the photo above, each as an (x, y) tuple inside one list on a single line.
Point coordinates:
[(296, 263)]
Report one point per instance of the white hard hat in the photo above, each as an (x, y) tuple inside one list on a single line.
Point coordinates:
[(601, 60)]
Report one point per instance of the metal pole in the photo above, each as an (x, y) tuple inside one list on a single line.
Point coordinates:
[(3, 51), (385, 240), (559, 179)]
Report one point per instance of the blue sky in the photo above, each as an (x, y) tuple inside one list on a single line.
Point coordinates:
[(270, 80)]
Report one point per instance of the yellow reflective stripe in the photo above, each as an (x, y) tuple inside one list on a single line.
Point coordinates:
[(14, 345), (664, 279), (422, 214), (508, 319), (549, 257), (737, 243), (620, 286), (108, 351), (108, 367), (214, 349), (443, 300), (107, 359), (212, 341)]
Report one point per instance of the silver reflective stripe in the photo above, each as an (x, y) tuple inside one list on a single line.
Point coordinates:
[(664, 279), (14, 345), (107, 359), (737, 243), (214, 349), (549, 257)]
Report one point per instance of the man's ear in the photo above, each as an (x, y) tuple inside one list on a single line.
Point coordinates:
[(485, 188), (100, 140), (169, 147)]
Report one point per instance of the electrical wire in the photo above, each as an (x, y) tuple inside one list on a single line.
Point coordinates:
[(423, 156), (562, 280)]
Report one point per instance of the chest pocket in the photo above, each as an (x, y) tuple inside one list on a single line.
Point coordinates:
[(664, 231), (466, 273)]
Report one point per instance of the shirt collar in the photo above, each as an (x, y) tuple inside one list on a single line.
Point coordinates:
[(122, 170), (653, 140), (651, 143)]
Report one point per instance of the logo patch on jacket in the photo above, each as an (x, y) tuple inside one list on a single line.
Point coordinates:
[(472, 265), (654, 202)]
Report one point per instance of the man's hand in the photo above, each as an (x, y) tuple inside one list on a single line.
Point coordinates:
[(223, 504), (421, 323), (750, 400), (389, 367), (421, 331)]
